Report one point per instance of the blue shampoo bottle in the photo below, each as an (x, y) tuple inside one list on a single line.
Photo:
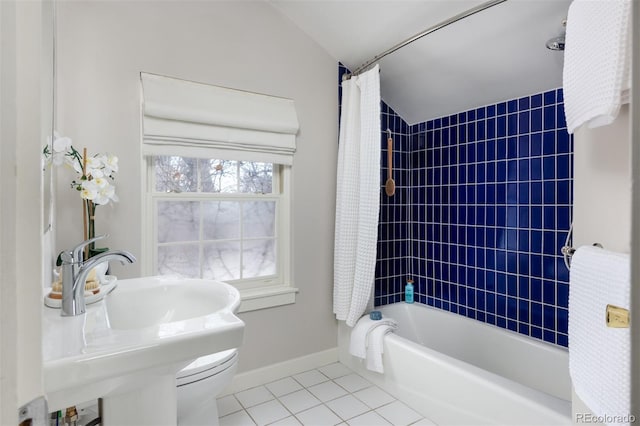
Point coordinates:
[(408, 292)]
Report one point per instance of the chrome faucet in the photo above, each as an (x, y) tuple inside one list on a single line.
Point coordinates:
[(75, 272)]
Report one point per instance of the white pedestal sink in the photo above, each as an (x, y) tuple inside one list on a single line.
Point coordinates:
[(128, 347)]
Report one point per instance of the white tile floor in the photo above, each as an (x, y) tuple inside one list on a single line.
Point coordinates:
[(330, 395)]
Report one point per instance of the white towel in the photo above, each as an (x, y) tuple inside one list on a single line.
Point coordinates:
[(367, 339), (597, 61), (599, 356), (375, 348), (357, 196)]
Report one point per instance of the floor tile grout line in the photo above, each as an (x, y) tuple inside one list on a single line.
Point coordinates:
[(321, 402)]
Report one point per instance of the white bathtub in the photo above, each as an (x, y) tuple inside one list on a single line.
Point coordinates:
[(458, 371)]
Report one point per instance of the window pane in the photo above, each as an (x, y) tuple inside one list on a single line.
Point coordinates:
[(256, 178), (221, 261), (178, 221), (258, 258), (181, 260), (258, 219), (221, 220), (219, 175), (176, 174)]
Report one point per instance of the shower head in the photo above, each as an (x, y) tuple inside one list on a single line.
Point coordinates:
[(556, 43)]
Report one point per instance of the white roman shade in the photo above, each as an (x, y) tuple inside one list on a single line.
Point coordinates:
[(191, 119)]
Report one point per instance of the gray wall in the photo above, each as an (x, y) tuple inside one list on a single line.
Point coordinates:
[(102, 47)]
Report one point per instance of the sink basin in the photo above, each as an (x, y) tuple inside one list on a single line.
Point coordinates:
[(145, 329), (158, 302)]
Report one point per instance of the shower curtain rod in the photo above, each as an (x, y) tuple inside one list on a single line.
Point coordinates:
[(428, 31)]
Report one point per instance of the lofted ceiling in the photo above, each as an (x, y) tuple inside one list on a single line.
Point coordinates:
[(494, 55)]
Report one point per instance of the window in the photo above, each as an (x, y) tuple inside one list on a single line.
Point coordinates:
[(217, 206), (217, 219)]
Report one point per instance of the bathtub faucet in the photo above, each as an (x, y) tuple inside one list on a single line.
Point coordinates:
[(75, 271)]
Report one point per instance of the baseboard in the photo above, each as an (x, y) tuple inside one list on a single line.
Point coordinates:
[(270, 373)]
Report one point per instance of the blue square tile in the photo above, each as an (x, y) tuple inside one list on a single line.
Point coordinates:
[(512, 308), (471, 115), (501, 171), (501, 193), (562, 296), (512, 124), (536, 241), (501, 126), (549, 317), (562, 340), (563, 218), (549, 117), (471, 131), (523, 170), (560, 95), (549, 336), (536, 144), (561, 121), (523, 103), (549, 247), (549, 167), (523, 146), (523, 122), (536, 100), (536, 120), (563, 145), (491, 304), (523, 216), (536, 314), (512, 105), (481, 133), (563, 166), (512, 148), (501, 108), (536, 192), (536, 332), (535, 169), (563, 193), (502, 149), (523, 193), (548, 143), (550, 97), (480, 113), (549, 213), (501, 305), (549, 192), (491, 149), (490, 128), (491, 110), (512, 170)]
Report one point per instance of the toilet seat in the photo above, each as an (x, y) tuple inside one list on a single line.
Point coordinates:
[(207, 366)]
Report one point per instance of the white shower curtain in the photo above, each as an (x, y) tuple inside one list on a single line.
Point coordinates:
[(358, 197)]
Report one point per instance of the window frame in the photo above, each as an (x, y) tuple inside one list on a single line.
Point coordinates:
[(256, 293)]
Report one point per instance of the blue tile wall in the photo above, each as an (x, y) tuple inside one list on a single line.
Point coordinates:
[(483, 205)]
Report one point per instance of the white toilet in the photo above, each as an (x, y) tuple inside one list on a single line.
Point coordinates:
[(200, 383)]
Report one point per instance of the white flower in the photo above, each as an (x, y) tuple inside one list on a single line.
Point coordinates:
[(94, 167), (106, 194), (110, 164), (61, 148), (89, 190)]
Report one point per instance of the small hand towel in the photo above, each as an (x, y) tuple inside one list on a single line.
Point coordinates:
[(599, 356), (597, 61), (375, 348), (362, 331)]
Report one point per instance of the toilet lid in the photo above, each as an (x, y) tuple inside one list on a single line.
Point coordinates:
[(208, 362)]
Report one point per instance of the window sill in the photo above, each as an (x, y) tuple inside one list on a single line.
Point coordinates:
[(266, 297)]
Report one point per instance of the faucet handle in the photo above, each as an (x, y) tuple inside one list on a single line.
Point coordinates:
[(78, 249)]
